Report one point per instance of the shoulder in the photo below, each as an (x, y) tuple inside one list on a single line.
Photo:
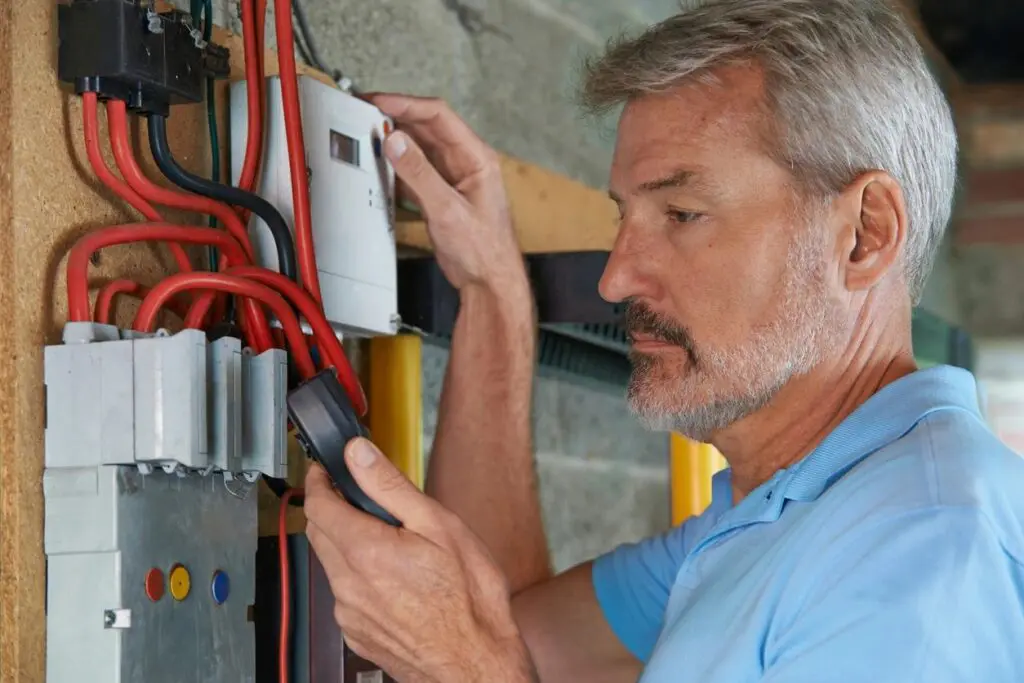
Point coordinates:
[(949, 464)]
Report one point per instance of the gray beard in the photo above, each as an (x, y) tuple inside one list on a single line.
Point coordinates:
[(807, 329), (699, 422)]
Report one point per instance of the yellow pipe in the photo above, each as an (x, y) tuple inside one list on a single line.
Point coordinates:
[(692, 465), (396, 401)]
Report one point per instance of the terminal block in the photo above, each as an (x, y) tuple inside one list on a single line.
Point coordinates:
[(130, 51), (175, 402)]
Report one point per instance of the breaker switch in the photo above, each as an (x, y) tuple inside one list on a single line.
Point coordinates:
[(220, 587), (181, 582), (155, 584)]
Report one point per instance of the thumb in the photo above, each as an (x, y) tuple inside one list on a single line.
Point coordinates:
[(389, 488), (434, 195)]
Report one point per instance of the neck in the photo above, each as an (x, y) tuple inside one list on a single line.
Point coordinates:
[(808, 408)]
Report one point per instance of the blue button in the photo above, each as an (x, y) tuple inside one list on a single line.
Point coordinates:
[(220, 587), (377, 146)]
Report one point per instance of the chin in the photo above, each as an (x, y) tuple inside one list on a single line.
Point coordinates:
[(669, 398), (660, 389)]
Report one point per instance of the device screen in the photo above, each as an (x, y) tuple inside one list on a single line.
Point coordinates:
[(344, 148)]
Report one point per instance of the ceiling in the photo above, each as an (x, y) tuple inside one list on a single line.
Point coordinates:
[(983, 40)]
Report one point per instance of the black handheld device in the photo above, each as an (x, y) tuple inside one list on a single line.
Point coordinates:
[(325, 422)]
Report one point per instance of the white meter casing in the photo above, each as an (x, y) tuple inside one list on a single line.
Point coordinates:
[(351, 194)]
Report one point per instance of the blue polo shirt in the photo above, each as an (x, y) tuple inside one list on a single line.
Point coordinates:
[(894, 552)]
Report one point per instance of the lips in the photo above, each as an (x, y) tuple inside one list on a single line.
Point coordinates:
[(642, 342)]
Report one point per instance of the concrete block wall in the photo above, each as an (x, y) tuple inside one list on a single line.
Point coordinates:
[(509, 67)]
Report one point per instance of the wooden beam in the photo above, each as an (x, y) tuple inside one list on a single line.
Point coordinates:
[(995, 143), (1007, 229), (998, 100), (551, 213), (994, 186)]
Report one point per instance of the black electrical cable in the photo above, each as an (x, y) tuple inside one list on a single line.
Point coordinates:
[(307, 36), (225, 193), (303, 52)]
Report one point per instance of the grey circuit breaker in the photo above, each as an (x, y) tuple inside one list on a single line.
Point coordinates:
[(154, 444)]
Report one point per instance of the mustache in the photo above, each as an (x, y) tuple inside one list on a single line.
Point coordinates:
[(642, 319)]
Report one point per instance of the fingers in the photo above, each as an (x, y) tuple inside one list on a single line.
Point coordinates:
[(435, 197), (391, 489), (332, 515), (458, 153), (432, 116)]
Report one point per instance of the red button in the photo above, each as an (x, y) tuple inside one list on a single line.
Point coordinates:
[(154, 584)]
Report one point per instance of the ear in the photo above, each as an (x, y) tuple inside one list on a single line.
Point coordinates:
[(876, 233)]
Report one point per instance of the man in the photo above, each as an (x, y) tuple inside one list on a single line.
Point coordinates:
[(784, 172)]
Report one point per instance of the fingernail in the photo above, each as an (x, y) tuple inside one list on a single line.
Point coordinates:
[(364, 453), (397, 144)]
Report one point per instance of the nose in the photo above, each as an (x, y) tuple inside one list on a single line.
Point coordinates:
[(630, 271)]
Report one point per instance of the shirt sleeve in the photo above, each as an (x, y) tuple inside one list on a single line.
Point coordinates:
[(929, 595), (633, 583)]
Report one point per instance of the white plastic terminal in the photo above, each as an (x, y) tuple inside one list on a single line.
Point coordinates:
[(351, 192), (170, 401), (224, 381), (264, 425)]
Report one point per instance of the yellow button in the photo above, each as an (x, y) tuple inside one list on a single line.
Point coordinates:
[(180, 582)]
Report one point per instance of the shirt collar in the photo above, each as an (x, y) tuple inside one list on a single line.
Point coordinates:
[(885, 417)]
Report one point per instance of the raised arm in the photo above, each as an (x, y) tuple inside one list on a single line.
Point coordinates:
[(481, 466)]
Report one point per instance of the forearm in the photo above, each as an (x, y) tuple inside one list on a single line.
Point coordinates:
[(481, 465)]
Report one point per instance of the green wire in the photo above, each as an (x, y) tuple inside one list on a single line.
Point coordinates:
[(211, 114)]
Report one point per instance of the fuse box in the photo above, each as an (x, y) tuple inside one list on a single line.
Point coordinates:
[(153, 445)]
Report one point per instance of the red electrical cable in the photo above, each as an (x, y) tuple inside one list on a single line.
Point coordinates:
[(107, 177), (296, 149), (109, 293), (252, 37), (284, 651), (78, 264), (238, 286), (330, 347), (199, 309), (120, 141), (261, 31)]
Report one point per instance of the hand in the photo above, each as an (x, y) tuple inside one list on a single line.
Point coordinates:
[(425, 602), (455, 179)]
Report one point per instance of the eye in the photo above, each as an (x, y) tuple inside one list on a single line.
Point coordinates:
[(679, 216)]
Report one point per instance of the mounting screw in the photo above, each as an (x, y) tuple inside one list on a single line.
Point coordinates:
[(117, 618), (155, 24)]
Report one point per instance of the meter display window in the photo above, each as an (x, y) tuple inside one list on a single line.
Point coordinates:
[(344, 148)]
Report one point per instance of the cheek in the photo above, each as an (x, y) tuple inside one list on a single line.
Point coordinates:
[(722, 289)]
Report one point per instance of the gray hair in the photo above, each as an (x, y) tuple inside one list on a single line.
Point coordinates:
[(847, 84)]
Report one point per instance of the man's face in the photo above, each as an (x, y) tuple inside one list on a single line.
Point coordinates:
[(724, 267)]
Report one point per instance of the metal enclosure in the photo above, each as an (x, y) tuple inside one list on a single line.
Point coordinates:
[(154, 446), (106, 529)]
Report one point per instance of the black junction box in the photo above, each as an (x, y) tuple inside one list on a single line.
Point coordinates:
[(124, 51)]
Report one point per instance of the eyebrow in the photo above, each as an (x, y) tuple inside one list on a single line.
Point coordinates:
[(677, 178)]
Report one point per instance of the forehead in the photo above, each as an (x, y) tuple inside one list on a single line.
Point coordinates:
[(705, 124)]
